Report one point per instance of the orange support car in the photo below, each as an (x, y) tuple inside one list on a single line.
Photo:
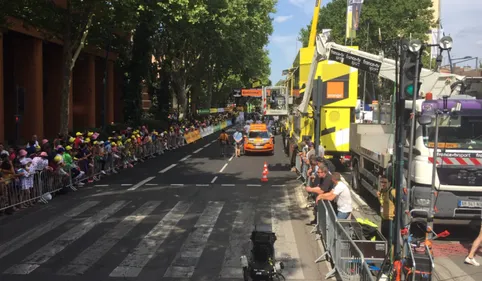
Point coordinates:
[(258, 139)]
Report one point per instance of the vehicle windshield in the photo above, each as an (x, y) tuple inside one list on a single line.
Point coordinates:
[(258, 134), (461, 132)]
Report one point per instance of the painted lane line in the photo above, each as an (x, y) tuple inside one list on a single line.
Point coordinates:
[(93, 253), (177, 184), (253, 185), (197, 150), (57, 245), (227, 184), (27, 237), (152, 184), (185, 262), (231, 158), (214, 179), (278, 185), (141, 183), (185, 158), (224, 167), (285, 247), (167, 168), (132, 265), (231, 267), (207, 145), (101, 185), (126, 184), (214, 141), (202, 184)]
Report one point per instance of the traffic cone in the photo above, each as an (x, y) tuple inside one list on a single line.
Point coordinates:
[(266, 167), (264, 178)]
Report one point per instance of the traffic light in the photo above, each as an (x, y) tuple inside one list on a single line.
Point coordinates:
[(409, 72)]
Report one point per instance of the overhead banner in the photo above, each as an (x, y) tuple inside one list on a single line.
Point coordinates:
[(254, 92), (353, 13)]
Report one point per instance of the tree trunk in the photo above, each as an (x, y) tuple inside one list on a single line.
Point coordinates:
[(65, 92)]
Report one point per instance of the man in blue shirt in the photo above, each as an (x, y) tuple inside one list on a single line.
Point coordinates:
[(238, 138)]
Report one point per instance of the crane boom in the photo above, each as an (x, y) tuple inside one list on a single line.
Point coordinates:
[(435, 82)]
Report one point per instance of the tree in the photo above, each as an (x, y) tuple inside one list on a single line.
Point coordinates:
[(72, 25)]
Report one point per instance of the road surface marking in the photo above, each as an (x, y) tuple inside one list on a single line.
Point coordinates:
[(27, 237), (152, 184), (278, 185), (446, 269), (237, 242), (185, 262), (167, 168), (185, 158), (132, 265), (202, 184), (214, 179), (214, 141), (285, 246), (224, 167), (231, 158), (227, 184), (55, 246), (93, 253), (197, 150), (253, 185), (177, 184), (101, 185), (141, 183), (126, 184)]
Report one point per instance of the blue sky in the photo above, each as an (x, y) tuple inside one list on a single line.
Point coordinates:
[(460, 20)]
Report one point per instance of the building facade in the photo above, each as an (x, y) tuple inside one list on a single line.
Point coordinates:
[(31, 83)]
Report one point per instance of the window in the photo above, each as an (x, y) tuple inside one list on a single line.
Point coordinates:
[(456, 132), (263, 135)]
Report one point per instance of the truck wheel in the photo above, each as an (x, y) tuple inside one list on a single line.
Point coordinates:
[(355, 179)]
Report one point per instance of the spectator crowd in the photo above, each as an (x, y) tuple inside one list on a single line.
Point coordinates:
[(43, 168)]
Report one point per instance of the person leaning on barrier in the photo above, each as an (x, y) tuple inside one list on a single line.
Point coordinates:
[(341, 195), (312, 179), (323, 184)]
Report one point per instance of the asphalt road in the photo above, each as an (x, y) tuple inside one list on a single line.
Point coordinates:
[(449, 252), (185, 215)]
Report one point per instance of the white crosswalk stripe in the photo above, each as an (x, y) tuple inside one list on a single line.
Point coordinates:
[(186, 260), (90, 255), (57, 245), (135, 261), (237, 242)]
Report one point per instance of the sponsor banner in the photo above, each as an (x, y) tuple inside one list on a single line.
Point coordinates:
[(213, 110), (229, 123), (217, 128), (203, 111), (220, 110)]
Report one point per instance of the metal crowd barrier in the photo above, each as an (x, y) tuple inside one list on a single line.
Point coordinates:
[(345, 255), (45, 184)]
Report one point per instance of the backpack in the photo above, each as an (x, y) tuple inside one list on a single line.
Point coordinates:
[(223, 138)]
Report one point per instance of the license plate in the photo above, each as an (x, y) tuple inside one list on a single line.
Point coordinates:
[(259, 146), (470, 204)]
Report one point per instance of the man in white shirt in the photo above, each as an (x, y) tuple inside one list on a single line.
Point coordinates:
[(342, 196)]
